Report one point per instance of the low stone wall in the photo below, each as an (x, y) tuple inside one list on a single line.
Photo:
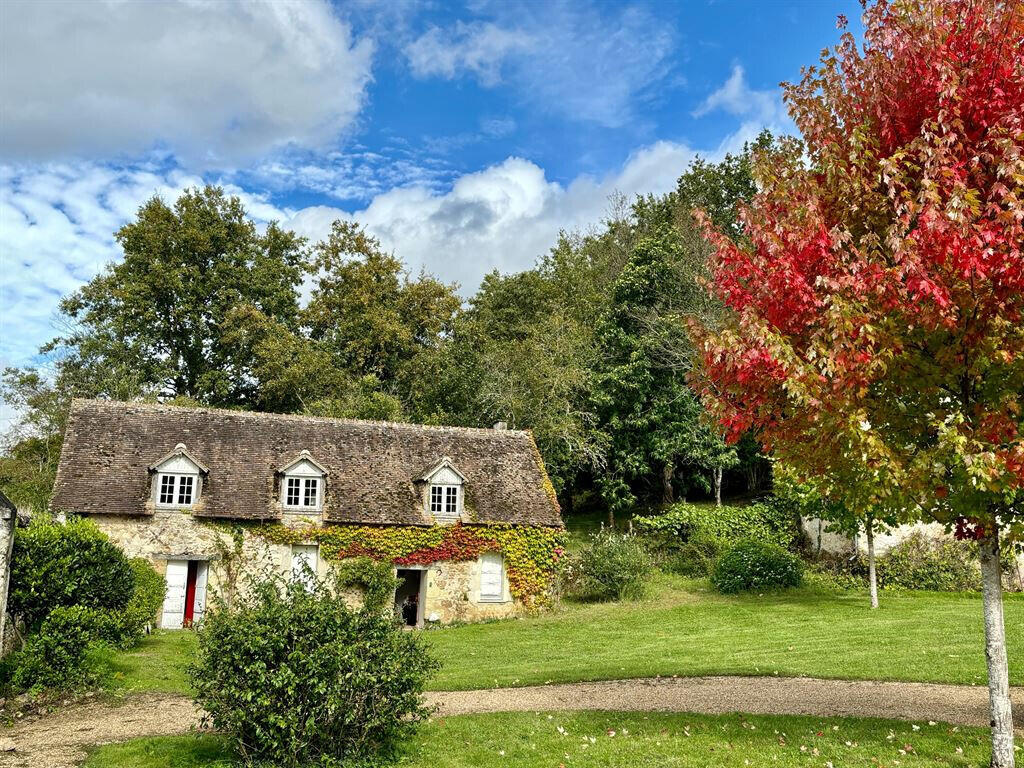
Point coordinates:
[(453, 588), (830, 542)]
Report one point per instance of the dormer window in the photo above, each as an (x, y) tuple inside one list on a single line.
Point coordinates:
[(445, 491), (444, 500), (302, 485), (178, 479)]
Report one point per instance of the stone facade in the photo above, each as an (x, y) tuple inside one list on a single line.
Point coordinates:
[(452, 590)]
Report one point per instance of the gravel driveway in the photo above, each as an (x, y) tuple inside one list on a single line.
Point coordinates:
[(59, 740)]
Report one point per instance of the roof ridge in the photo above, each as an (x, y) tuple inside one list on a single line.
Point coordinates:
[(265, 415)]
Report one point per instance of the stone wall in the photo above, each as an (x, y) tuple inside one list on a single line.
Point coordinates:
[(822, 538), (453, 589)]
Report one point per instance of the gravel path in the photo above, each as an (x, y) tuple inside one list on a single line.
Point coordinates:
[(60, 739)]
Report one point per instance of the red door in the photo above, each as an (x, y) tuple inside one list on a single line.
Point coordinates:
[(190, 592)]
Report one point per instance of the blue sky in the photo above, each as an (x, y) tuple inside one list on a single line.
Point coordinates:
[(464, 135)]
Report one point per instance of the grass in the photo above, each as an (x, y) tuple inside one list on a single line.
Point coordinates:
[(683, 628), (654, 740), (686, 629), (158, 664)]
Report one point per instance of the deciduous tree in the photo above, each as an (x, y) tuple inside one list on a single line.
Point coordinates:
[(877, 336)]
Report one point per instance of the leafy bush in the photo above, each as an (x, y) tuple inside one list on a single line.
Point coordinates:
[(926, 562), (64, 565), (293, 677), (695, 556), (55, 657), (753, 564), (767, 521), (919, 561), (126, 627), (614, 566)]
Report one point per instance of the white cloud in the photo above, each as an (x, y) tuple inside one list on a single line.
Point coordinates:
[(477, 47), (213, 80), (57, 225), (502, 217), (578, 61), (759, 109)]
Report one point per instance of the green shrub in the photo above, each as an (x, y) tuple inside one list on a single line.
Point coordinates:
[(64, 565), (292, 677), (613, 566), (926, 562), (766, 521), (126, 627), (753, 564), (56, 656), (694, 556)]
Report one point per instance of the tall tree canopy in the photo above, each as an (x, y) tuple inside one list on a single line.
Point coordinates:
[(158, 313), (878, 291)]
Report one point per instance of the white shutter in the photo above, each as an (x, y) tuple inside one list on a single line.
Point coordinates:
[(302, 555), (491, 577), (174, 596), (199, 603)]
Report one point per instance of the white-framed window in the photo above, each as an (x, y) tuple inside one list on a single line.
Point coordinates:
[(302, 485), (302, 492), (176, 490), (444, 500), (492, 578)]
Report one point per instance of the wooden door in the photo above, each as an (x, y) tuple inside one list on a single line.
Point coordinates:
[(176, 579)]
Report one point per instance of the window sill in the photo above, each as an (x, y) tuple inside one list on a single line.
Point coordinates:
[(302, 510), (492, 600)]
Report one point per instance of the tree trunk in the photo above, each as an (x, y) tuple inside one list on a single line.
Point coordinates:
[(667, 494), (869, 531), (716, 475), (611, 518), (1000, 714)]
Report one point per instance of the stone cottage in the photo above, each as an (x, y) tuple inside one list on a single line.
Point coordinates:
[(467, 516)]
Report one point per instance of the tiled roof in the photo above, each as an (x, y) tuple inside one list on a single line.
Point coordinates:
[(372, 467)]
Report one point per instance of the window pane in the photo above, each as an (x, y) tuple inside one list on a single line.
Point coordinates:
[(292, 497), (310, 497), (451, 499), (435, 498), (185, 489), (166, 489)]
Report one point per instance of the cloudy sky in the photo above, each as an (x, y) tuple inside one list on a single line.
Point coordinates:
[(463, 135)]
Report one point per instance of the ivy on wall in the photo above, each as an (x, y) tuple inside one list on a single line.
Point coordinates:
[(531, 552)]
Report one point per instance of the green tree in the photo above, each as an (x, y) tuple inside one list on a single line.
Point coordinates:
[(158, 313), (367, 312), (646, 408)]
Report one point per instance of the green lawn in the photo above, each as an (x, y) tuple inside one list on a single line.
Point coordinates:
[(683, 628), (686, 629), (596, 739), (158, 664)]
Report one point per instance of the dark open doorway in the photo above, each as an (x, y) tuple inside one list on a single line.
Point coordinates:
[(409, 597)]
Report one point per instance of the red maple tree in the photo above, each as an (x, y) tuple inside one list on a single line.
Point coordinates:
[(876, 342)]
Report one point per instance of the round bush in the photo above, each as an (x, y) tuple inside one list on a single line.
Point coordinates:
[(752, 564), (292, 677), (63, 565), (55, 657), (614, 567)]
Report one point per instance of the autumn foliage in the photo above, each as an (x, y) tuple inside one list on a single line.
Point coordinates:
[(877, 337)]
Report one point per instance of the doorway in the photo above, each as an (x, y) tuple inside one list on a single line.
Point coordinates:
[(410, 596), (185, 595)]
